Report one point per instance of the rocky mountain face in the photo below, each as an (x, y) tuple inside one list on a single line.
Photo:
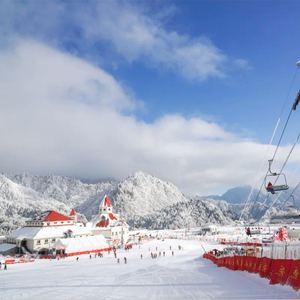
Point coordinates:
[(145, 201)]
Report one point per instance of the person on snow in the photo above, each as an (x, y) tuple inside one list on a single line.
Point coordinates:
[(5, 266), (125, 260), (248, 231), (172, 253), (118, 260), (141, 256), (77, 258)]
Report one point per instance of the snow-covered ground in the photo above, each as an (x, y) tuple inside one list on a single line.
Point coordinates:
[(182, 276)]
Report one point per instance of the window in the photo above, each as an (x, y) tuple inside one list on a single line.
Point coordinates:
[(46, 241), (62, 222), (55, 222), (53, 240), (38, 242), (48, 224)]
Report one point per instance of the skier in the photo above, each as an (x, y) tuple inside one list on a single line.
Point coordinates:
[(118, 260), (5, 266), (90, 256), (164, 253), (172, 253), (125, 260), (248, 231), (141, 256), (77, 258)]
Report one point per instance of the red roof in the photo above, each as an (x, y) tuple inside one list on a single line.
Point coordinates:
[(102, 223), (73, 212), (112, 216), (55, 216), (107, 201)]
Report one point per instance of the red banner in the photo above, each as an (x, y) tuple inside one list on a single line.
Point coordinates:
[(252, 264), (283, 271), (294, 275), (265, 267), (279, 271)]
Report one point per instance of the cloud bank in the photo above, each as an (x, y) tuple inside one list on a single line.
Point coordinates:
[(60, 114)]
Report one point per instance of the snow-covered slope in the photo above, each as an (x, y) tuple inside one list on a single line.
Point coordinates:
[(142, 194), (192, 213), (18, 203)]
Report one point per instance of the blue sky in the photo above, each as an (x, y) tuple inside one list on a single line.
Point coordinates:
[(225, 64)]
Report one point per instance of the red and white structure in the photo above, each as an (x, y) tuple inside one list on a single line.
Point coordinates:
[(110, 224), (41, 233)]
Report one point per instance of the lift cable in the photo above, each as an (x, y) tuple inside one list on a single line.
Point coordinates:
[(296, 102)]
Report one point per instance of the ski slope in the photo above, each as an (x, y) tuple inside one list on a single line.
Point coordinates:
[(182, 276)]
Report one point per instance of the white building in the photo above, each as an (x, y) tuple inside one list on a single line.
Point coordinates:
[(109, 224), (40, 234)]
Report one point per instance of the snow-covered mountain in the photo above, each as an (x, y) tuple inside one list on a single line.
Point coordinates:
[(238, 195), (144, 200), (192, 213), (71, 191), (18, 203)]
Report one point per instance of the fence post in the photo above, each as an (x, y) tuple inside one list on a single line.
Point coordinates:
[(285, 249)]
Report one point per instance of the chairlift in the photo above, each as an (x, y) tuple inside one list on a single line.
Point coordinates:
[(273, 188)]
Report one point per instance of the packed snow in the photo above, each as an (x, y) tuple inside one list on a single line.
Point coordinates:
[(184, 275)]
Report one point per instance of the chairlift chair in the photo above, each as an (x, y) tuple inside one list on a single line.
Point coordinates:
[(273, 188)]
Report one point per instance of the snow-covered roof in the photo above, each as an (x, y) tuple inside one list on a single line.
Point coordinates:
[(47, 232), (79, 244), (5, 247)]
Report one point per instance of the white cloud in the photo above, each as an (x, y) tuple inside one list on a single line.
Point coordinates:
[(138, 36), (131, 31), (61, 115)]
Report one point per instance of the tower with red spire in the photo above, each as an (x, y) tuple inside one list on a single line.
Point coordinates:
[(106, 216)]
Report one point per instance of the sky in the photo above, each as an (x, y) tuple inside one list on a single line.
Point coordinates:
[(188, 91)]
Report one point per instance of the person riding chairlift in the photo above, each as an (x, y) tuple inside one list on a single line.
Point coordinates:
[(270, 188)]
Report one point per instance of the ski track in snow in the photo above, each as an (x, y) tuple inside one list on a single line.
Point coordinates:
[(182, 276)]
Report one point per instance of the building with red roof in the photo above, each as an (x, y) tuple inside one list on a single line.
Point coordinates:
[(110, 224), (41, 233)]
